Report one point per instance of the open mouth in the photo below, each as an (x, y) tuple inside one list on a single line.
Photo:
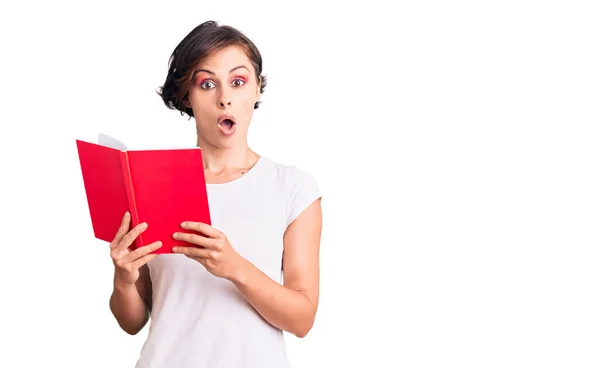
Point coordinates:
[(227, 125)]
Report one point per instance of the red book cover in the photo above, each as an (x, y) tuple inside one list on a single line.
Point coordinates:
[(162, 187)]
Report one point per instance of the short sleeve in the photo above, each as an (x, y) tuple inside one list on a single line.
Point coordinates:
[(303, 191)]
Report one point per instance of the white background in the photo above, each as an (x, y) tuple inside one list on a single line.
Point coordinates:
[(455, 143)]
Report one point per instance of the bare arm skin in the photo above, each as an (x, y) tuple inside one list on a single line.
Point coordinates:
[(130, 301), (293, 306)]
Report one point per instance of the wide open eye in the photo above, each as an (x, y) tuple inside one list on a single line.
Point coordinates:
[(238, 82), (207, 85)]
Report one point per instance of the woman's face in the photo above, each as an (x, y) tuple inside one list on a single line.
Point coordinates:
[(222, 96)]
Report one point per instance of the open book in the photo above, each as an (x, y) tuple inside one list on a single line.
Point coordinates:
[(162, 187)]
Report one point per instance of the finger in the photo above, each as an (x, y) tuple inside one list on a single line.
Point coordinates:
[(142, 251), (202, 261), (128, 239), (195, 252), (143, 260), (122, 231), (215, 244), (194, 239), (203, 228)]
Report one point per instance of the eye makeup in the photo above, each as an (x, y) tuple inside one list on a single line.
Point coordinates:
[(201, 81), (241, 77)]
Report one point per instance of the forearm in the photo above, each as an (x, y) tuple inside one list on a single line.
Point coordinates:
[(129, 308), (285, 308)]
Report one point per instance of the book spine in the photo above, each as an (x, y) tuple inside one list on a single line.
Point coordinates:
[(135, 220)]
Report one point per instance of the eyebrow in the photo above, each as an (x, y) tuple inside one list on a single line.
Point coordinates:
[(210, 72)]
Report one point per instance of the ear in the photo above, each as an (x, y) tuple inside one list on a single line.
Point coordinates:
[(186, 103), (258, 88)]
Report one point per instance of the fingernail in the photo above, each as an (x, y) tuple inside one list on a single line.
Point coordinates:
[(144, 225), (183, 223)]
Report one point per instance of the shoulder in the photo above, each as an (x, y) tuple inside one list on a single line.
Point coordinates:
[(288, 175), (298, 185)]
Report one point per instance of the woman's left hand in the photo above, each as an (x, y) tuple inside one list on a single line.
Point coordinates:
[(213, 251)]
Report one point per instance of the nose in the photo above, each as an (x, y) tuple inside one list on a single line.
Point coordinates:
[(224, 101)]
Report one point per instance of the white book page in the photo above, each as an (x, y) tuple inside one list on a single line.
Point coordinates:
[(108, 141)]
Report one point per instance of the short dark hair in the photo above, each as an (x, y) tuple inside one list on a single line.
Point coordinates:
[(196, 46)]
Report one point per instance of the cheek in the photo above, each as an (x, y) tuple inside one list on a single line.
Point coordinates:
[(250, 97), (201, 104), (199, 97), (249, 105)]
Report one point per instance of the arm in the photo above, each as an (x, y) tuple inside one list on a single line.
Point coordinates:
[(131, 304), (132, 282), (293, 306)]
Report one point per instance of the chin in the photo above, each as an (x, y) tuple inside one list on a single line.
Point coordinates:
[(224, 142), (226, 145)]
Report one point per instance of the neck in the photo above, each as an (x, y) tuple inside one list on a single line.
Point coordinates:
[(218, 160)]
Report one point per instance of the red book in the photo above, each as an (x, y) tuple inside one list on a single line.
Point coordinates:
[(162, 187)]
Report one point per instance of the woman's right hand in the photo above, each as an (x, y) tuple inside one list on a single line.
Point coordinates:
[(127, 263)]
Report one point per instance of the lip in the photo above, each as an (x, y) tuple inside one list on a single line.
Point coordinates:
[(227, 132), (226, 116)]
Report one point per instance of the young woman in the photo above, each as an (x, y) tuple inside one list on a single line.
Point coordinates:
[(221, 302)]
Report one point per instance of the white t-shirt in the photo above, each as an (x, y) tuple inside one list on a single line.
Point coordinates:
[(200, 320)]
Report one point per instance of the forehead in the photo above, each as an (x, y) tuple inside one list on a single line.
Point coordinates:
[(223, 60)]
